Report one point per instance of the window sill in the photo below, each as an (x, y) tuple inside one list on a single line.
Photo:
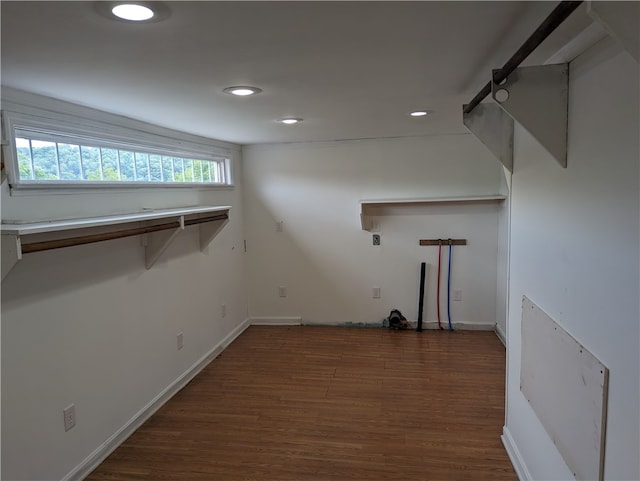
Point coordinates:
[(67, 189)]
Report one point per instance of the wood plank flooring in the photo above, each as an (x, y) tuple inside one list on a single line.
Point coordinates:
[(331, 403)]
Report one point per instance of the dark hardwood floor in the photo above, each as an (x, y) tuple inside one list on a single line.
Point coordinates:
[(331, 403)]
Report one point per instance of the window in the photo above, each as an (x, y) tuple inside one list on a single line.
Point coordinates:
[(46, 158), (50, 149)]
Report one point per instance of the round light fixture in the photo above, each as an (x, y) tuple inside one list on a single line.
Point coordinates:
[(133, 12), (242, 90), (290, 121), (419, 113)]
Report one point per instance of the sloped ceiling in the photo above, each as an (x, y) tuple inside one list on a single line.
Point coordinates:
[(349, 69)]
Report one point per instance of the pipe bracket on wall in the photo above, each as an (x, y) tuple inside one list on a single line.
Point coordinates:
[(443, 242), (494, 129), (538, 99), (621, 21)]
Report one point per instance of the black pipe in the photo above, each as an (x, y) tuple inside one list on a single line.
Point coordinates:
[(421, 301), (553, 20)]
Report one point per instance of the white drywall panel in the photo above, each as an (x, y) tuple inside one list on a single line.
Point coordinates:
[(566, 386)]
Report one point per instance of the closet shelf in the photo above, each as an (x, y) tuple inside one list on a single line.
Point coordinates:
[(160, 227), (369, 208)]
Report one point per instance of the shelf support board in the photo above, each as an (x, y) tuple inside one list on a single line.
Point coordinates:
[(158, 242), (537, 98), (209, 230), (494, 129), (11, 253)]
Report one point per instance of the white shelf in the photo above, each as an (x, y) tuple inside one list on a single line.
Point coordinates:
[(366, 206), (17, 235), (24, 228)]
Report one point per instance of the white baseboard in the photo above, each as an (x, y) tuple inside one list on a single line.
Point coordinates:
[(458, 326), (103, 451), (501, 335), (514, 455), (275, 321), (297, 321)]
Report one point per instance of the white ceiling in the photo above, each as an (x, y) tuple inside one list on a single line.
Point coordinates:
[(349, 69)]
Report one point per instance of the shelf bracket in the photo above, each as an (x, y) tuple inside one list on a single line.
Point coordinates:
[(209, 230), (157, 243), (537, 98), (494, 129), (620, 20), (11, 253)]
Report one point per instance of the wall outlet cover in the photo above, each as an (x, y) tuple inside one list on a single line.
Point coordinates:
[(69, 414)]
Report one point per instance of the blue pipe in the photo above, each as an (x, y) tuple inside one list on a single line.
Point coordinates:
[(449, 287)]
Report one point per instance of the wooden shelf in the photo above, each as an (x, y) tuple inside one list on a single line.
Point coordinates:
[(367, 206), (159, 226)]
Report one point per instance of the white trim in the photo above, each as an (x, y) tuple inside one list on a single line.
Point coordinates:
[(297, 321), (120, 188), (501, 335), (514, 455), (92, 461), (458, 326), (332, 142), (275, 321), (435, 200)]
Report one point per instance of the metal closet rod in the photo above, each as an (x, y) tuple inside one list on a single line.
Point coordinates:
[(89, 239), (553, 20)]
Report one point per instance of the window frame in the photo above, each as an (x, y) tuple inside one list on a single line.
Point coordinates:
[(110, 135)]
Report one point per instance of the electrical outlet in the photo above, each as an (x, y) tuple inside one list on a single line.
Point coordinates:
[(69, 414), (279, 226), (457, 295), (282, 291), (223, 310), (180, 339), (376, 239), (376, 292)]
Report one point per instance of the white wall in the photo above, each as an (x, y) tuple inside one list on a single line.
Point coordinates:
[(328, 263), (575, 253), (90, 325)]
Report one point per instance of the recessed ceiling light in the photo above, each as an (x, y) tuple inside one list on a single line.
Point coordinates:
[(290, 121), (419, 113), (242, 90), (133, 12)]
